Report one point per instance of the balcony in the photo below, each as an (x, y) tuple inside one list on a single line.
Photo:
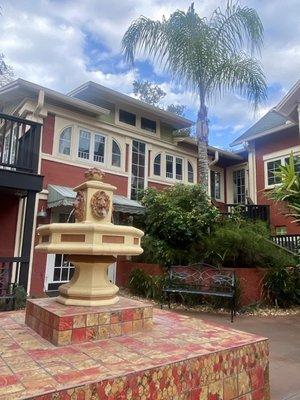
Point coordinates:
[(250, 211), (19, 153)]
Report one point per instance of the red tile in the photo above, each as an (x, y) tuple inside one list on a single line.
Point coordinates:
[(78, 335), (65, 323), (6, 380), (127, 315)]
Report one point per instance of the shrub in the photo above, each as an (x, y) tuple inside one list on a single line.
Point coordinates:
[(145, 285), (243, 244)]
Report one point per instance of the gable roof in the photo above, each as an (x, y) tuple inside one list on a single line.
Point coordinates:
[(89, 91)]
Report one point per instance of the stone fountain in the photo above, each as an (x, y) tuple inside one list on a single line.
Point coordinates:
[(91, 244), (88, 307)]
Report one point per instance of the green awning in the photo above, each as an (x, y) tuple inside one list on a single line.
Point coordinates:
[(65, 196)]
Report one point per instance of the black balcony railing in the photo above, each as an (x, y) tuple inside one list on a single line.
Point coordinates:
[(289, 242), (10, 268), (19, 144), (251, 211)]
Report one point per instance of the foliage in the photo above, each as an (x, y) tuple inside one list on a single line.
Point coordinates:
[(20, 297), (6, 72), (209, 56), (145, 285), (282, 285), (289, 189), (148, 92), (240, 243), (177, 109), (176, 219)]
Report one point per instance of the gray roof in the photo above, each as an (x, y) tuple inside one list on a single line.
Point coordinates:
[(65, 196), (269, 121)]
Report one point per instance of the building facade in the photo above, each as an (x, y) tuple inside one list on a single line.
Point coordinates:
[(135, 145)]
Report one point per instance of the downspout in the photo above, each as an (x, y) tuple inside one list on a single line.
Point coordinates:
[(215, 160), (40, 103)]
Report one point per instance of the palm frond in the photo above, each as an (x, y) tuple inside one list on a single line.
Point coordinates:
[(237, 27)]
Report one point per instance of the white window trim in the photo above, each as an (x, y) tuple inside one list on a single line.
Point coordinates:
[(66, 156), (222, 183), (92, 144), (187, 172), (173, 179), (229, 181), (122, 154), (280, 155), (152, 164)]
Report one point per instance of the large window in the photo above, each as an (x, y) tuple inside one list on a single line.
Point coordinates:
[(215, 185), (169, 166), (91, 146), (65, 141), (84, 144), (116, 154), (273, 166), (127, 117), (239, 186), (296, 162), (190, 173), (137, 168), (178, 168), (157, 165), (148, 124)]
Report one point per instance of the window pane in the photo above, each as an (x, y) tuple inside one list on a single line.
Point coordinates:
[(178, 168), (296, 162), (239, 186), (65, 141), (127, 117), (157, 165), (215, 185), (84, 145), (137, 168), (272, 168), (169, 166), (99, 148), (190, 173), (116, 154), (148, 124)]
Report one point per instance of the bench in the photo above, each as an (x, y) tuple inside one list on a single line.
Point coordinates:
[(202, 279)]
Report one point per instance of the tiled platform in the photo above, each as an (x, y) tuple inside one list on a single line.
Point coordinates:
[(179, 359), (63, 325)]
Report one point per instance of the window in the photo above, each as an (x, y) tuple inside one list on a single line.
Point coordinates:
[(239, 188), (65, 141), (116, 154), (190, 173), (296, 162), (127, 117), (281, 230), (137, 168), (157, 165), (148, 124), (178, 168), (84, 144), (169, 166), (272, 168), (215, 185), (99, 147)]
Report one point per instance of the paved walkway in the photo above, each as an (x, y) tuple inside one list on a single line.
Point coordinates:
[(284, 335)]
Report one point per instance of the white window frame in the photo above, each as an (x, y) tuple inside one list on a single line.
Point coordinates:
[(71, 142), (280, 155), (111, 154), (174, 159), (160, 165), (222, 183), (187, 172), (90, 159)]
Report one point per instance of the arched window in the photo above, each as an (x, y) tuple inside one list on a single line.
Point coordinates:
[(190, 173), (157, 165), (116, 154), (65, 141)]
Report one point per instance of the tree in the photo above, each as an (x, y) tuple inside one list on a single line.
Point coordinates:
[(175, 221), (6, 72), (289, 189), (177, 109), (148, 92), (209, 56)]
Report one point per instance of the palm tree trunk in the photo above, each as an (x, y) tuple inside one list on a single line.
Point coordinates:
[(202, 139)]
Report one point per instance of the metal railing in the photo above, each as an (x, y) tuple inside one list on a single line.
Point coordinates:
[(289, 242), (250, 211), (19, 144)]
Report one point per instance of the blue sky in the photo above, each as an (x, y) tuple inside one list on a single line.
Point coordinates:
[(61, 44)]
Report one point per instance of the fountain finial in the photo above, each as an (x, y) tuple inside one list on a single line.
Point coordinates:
[(94, 174)]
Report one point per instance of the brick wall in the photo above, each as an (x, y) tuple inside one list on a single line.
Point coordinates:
[(124, 268), (158, 186), (69, 175), (266, 145), (48, 134)]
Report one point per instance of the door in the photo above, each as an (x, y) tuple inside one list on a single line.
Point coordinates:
[(239, 186)]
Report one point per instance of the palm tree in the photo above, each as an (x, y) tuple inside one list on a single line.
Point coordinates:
[(208, 56)]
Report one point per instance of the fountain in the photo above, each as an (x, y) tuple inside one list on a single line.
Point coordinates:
[(91, 244)]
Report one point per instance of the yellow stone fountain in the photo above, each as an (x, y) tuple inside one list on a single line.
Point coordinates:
[(91, 244)]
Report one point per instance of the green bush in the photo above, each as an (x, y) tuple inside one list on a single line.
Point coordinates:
[(282, 285), (145, 285), (243, 244), (20, 297)]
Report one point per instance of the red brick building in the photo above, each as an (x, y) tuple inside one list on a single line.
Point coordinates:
[(135, 145)]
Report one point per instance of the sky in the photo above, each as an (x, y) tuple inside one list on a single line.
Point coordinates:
[(61, 44)]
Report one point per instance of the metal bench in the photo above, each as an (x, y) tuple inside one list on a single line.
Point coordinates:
[(202, 279)]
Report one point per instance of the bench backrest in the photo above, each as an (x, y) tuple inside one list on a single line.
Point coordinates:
[(202, 277)]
